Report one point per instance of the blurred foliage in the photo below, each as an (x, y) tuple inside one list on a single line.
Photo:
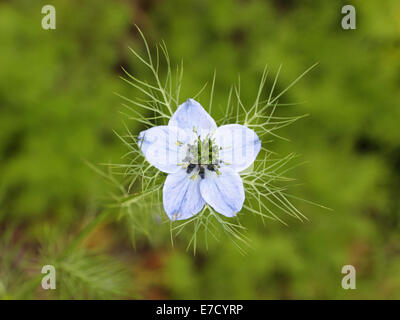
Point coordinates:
[(57, 109)]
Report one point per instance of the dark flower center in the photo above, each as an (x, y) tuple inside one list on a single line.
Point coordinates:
[(202, 155)]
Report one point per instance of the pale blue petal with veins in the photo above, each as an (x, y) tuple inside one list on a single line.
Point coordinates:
[(191, 114), (240, 145), (181, 196), (225, 193), (159, 146)]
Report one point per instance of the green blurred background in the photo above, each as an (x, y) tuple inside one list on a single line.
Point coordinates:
[(57, 109)]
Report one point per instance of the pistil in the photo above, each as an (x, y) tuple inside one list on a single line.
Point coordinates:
[(202, 154)]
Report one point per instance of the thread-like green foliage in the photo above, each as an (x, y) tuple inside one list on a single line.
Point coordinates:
[(80, 273), (141, 190)]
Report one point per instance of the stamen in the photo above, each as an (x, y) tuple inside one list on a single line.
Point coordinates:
[(190, 168), (201, 172), (194, 176)]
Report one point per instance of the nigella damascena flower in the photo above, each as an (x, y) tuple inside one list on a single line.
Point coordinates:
[(202, 161)]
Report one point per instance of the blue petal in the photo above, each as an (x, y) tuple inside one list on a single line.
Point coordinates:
[(181, 196), (164, 147), (240, 146), (191, 114), (225, 193)]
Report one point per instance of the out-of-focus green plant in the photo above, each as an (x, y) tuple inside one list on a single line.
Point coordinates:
[(57, 108)]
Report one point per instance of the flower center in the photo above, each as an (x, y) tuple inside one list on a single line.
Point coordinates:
[(202, 155)]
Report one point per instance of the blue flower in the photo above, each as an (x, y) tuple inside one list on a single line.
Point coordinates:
[(202, 161)]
